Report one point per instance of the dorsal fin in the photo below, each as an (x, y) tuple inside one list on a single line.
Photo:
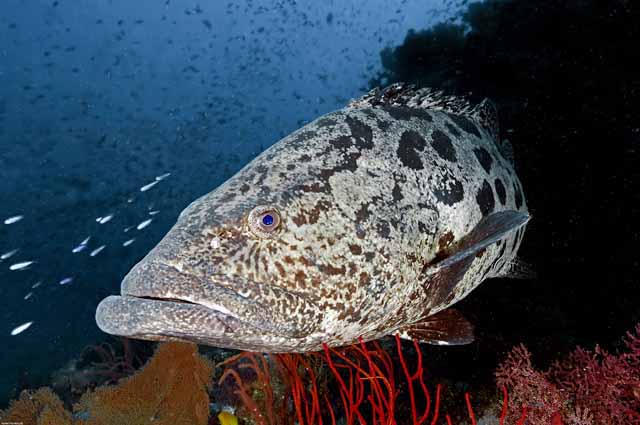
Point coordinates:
[(408, 95), (484, 114)]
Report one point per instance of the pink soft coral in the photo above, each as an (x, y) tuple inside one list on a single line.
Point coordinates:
[(588, 387)]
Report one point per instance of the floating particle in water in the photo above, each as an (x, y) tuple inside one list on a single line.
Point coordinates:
[(105, 219), (21, 266), (66, 281), (144, 224), (129, 242), (13, 219), (149, 186), (21, 328), (97, 250), (8, 254)]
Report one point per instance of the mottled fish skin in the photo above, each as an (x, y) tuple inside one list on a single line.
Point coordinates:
[(369, 196)]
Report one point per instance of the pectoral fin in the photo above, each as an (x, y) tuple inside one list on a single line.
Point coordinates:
[(447, 327), (441, 276)]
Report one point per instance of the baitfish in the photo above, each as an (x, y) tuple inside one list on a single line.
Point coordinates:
[(371, 220)]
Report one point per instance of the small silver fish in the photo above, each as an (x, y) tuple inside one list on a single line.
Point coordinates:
[(8, 255), (372, 220), (21, 266), (66, 281), (97, 251), (163, 176), (79, 248), (144, 224), (105, 219), (128, 242), (14, 219), (149, 186), (19, 329), (26, 297)]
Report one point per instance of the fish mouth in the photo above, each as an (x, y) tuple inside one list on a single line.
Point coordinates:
[(159, 301)]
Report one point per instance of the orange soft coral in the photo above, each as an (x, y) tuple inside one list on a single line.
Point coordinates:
[(170, 389), (41, 407)]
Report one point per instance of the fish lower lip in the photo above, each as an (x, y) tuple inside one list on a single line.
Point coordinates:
[(150, 318)]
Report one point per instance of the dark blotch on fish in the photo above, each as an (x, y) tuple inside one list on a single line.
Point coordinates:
[(450, 191), (501, 191), (485, 199), (453, 130), (405, 114), (518, 195), (484, 158), (397, 193), (443, 146), (410, 143), (350, 163), (342, 142), (361, 132), (466, 124), (383, 229), (302, 137), (326, 122)]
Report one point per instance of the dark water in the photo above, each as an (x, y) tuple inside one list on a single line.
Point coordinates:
[(97, 99)]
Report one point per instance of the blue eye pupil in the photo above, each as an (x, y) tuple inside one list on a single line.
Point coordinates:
[(267, 220)]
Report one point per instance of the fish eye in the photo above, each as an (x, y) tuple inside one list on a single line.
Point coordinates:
[(264, 220)]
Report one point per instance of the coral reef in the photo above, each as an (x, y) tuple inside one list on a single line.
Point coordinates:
[(41, 407), (359, 384), (586, 388), (171, 389), (104, 363)]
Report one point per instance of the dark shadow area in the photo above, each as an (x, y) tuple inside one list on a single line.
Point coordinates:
[(566, 79)]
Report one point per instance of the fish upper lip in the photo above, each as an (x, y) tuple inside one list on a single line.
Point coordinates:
[(145, 281)]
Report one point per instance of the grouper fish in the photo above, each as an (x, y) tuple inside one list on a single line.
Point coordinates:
[(369, 221)]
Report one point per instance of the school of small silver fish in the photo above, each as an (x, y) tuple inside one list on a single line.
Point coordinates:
[(82, 246)]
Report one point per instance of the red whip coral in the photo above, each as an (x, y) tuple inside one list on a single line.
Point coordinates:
[(367, 387)]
